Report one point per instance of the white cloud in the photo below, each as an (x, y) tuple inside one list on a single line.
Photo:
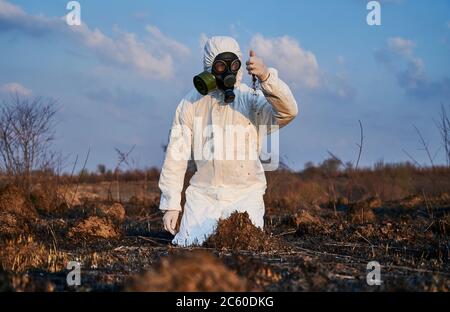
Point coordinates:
[(152, 57), (401, 46), (12, 17), (10, 10), (299, 67), (15, 88), (410, 71), (293, 62), (126, 50), (159, 39)]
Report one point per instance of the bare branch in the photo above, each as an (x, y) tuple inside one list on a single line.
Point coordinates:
[(424, 145)]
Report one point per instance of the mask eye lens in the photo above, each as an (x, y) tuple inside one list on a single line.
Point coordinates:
[(220, 67), (235, 65)]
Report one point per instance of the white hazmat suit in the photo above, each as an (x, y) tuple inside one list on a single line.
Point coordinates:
[(220, 186)]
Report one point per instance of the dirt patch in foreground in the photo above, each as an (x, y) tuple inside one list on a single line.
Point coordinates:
[(189, 271), (238, 233)]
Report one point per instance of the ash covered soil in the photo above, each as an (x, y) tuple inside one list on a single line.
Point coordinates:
[(122, 247)]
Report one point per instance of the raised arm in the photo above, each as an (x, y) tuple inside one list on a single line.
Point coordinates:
[(276, 105)]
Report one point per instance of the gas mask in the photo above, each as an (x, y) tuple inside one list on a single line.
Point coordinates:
[(223, 76)]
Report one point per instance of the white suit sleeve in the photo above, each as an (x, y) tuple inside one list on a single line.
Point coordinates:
[(277, 105), (178, 154)]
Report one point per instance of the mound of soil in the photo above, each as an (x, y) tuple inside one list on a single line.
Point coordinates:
[(412, 201), (361, 212), (308, 223), (374, 202), (238, 233), (189, 271), (12, 225), (94, 227), (114, 212), (13, 200)]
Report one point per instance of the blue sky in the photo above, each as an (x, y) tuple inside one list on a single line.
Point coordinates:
[(119, 77)]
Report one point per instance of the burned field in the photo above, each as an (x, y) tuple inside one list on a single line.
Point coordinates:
[(307, 245)]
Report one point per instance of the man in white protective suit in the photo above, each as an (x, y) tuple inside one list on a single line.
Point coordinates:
[(229, 176)]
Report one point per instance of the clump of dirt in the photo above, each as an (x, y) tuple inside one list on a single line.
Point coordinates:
[(374, 202), (361, 212), (12, 225), (189, 271), (114, 212), (411, 201), (237, 232), (13, 200), (94, 227), (308, 223)]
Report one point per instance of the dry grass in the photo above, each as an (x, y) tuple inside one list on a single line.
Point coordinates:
[(25, 252), (321, 235)]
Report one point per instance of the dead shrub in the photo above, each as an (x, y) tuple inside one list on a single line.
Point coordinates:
[(188, 271)]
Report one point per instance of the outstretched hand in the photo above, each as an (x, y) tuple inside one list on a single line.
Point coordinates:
[(256, 66)]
